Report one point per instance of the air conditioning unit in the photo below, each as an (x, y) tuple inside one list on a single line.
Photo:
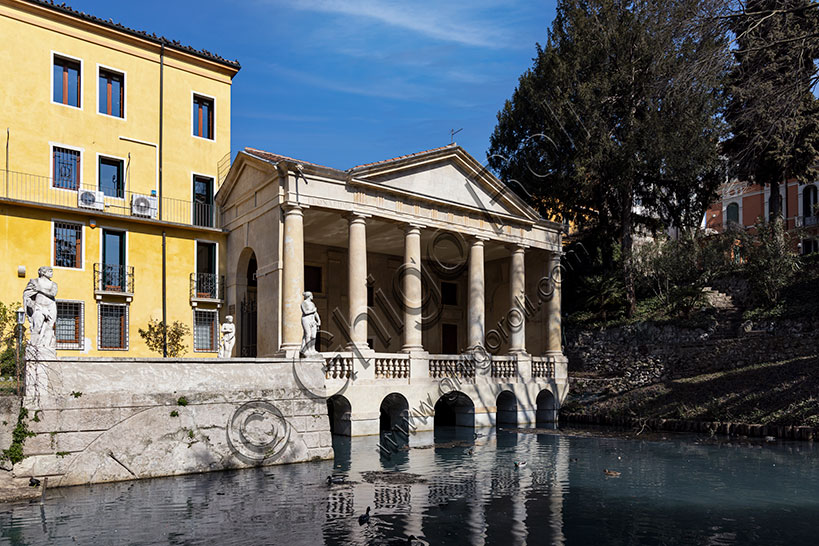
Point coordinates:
[(144, 205), (91, 199)]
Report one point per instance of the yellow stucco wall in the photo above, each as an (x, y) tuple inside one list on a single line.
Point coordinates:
[(31, 35)]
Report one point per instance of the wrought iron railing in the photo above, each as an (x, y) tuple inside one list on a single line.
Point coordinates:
[(114, 279), (44, 190), (207, 286)]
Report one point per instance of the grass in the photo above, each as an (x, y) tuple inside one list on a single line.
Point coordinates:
[(8, 385)]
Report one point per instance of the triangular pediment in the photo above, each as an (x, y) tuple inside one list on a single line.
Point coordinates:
[(448, 176)]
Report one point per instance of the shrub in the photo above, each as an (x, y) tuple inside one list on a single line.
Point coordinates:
[(154, 337)]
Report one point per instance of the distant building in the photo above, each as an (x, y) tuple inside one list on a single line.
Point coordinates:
[(115, 140), (743, 205)]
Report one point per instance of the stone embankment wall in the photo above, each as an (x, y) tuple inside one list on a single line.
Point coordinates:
[(607, 362), (99, 420)]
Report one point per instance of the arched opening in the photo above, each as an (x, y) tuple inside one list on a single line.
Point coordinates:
[(454, 409), (507, 409), (394, 413), (732, 213), (809, 199), (546, 407), (338, 410), (246, 287)]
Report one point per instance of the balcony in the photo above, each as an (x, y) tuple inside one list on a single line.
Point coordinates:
[(25, 188), (810, 221), (207, 288), (113, 280)]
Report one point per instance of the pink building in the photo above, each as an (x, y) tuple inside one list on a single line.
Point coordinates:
[(743, 205)]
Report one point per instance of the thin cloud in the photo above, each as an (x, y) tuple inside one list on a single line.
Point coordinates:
[(434, 19)]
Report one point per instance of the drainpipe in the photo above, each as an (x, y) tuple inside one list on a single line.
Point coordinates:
[(8, 135), (164, 255)]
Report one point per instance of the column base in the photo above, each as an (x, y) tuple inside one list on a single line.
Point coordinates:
[(289, 351), (413, 349)]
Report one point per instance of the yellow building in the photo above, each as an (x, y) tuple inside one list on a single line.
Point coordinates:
[(116, 142)]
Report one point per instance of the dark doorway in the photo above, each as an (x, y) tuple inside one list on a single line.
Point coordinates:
[(546, 408), (338, 410), (454, 409), (507, 409), (449, 339), (248, 323), (394, 412)]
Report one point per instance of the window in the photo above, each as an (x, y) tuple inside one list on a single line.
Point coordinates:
[(206, 282), (65, 168), (110, 177), (370, 296), (809, 199), (449, 293), (732, 213), (113, 327), (111, 93), (114, 275), (66, 81), (205, 333), (68, 245), (312, 279), (69, 326), (202, 117), (203, 201)]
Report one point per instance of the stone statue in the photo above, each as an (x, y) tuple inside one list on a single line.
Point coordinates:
[(310, 323), (228, 331), (39, 300)]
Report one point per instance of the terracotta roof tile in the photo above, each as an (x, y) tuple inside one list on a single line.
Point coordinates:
[(277, 157), (403, 157), (173, 44)]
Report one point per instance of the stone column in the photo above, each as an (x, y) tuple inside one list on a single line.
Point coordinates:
[(357, 280), (477, 308), (554, 342), (292, 279), (516, 318), (413, 297)]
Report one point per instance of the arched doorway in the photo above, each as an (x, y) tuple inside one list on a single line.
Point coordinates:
[(394, 412), (338, 410), (507, 409), (546, 407), (246, 287), (454, 409)]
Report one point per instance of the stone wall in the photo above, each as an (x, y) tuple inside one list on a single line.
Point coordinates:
[(99, 420), (619, 359), (9, 408)]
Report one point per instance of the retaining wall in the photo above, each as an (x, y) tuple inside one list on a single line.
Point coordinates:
[(99, 420)]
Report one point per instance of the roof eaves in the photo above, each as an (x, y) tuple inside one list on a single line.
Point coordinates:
[(161, 40)]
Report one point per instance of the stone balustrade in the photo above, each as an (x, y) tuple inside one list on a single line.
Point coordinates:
[(455, 366), (542, 367), (504, 367), (392, 366)]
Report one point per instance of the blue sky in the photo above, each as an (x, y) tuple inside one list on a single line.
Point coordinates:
[(341, 83)]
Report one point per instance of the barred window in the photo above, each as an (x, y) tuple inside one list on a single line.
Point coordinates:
[(205, 333), (113, 327), (67, 245), (70, 325), (66, 168)]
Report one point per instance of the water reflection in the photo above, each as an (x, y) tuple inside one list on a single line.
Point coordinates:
[(468, 491)]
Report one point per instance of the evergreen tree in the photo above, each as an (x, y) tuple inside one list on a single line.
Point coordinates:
[(620, 108), (772, 110)]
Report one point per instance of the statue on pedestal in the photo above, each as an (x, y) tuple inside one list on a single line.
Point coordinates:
[(40, 303), (228, 332), (310, 323)]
